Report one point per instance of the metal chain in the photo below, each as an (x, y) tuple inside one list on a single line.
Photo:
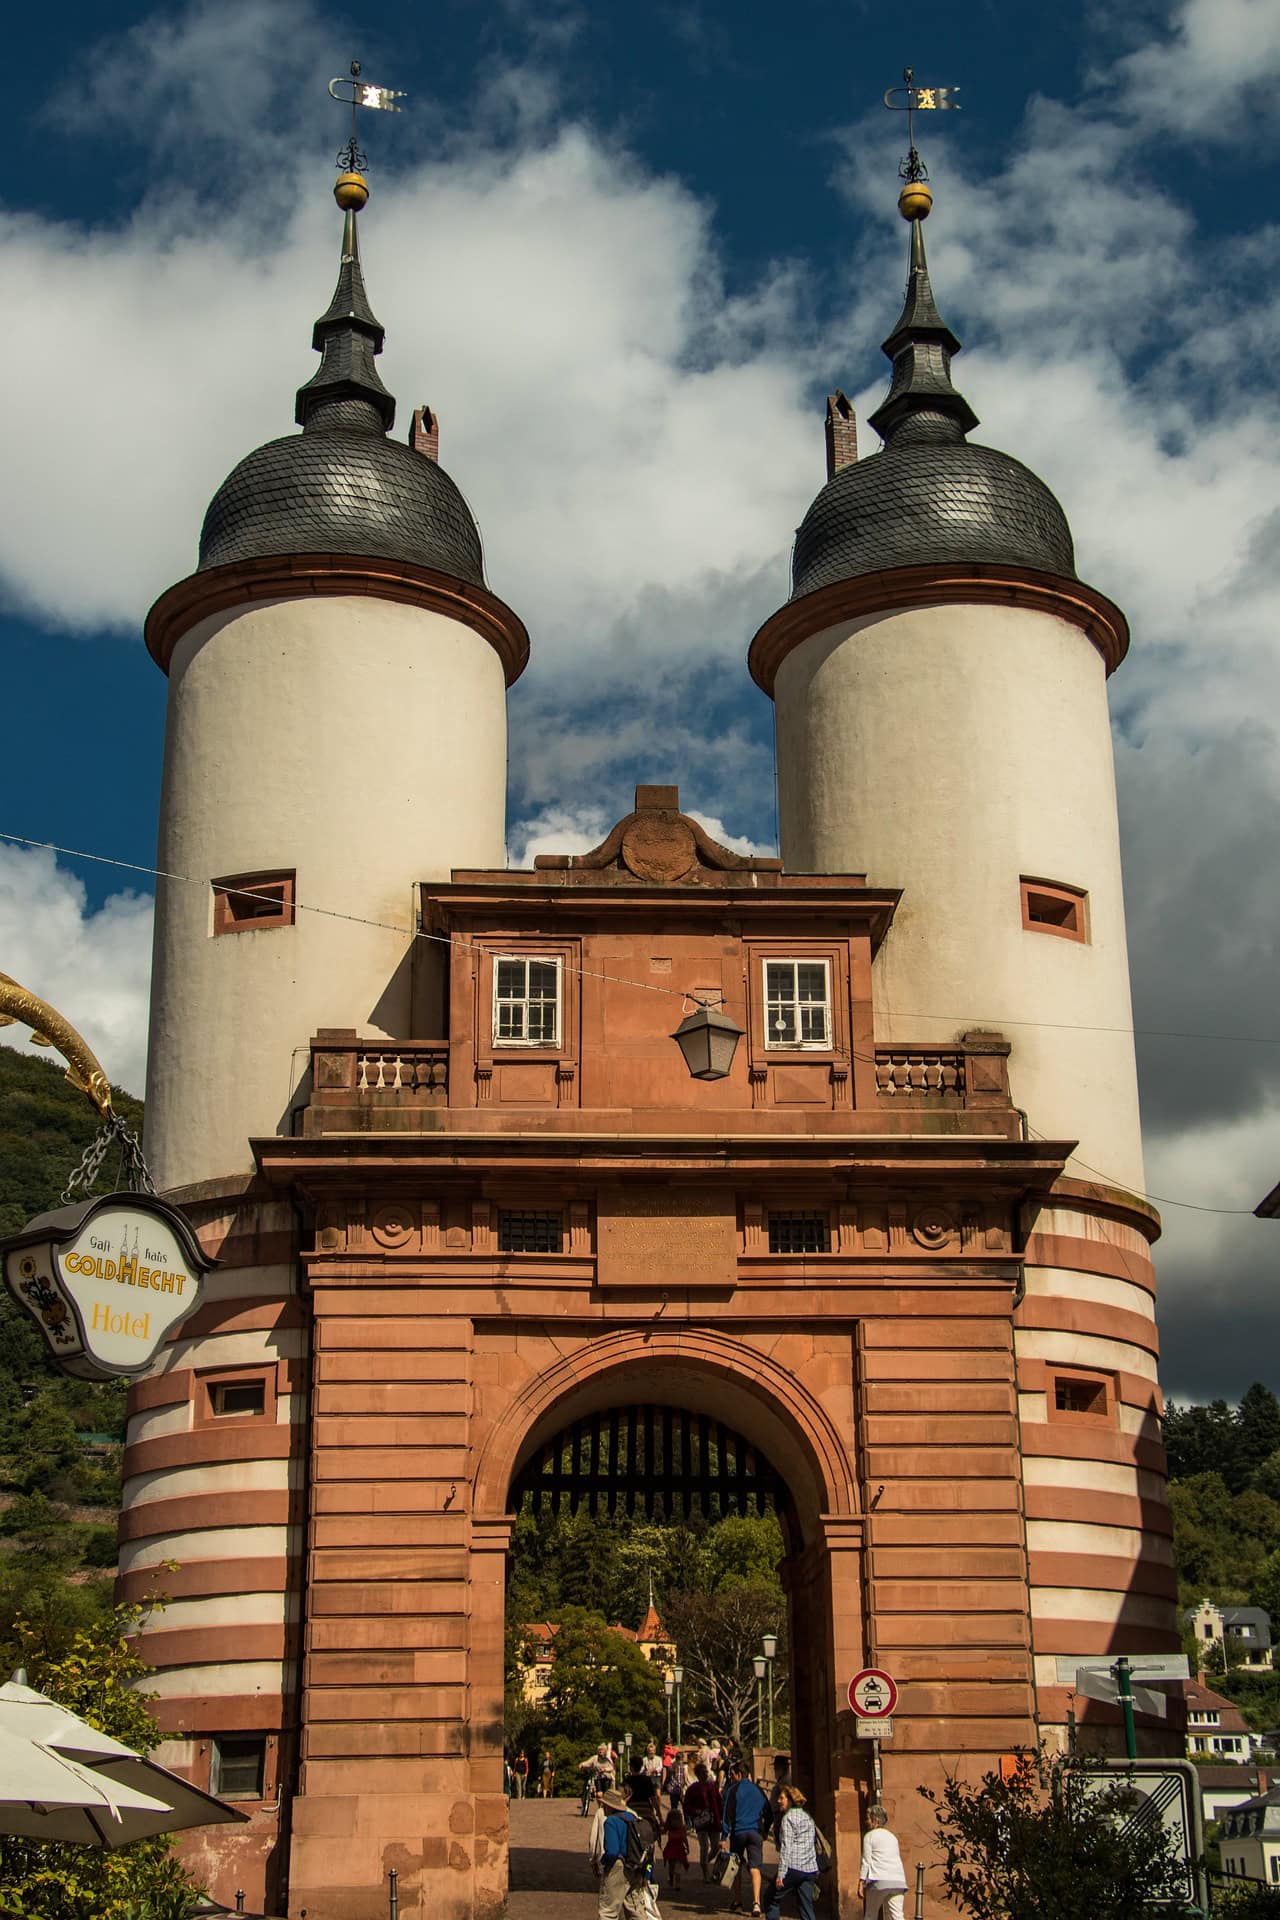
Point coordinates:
[(134, 1173)]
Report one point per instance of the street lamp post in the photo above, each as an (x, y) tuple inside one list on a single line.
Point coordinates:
[(669, 1687), (770, 1644), (760, 1663), (679, 1680)]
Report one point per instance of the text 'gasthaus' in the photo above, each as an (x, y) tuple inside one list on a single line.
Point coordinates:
[(127, 1271)]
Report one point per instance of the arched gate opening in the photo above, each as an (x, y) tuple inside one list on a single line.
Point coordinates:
[(678, 1426)]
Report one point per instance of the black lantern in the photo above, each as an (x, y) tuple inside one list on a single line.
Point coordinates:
[(708, 1039)]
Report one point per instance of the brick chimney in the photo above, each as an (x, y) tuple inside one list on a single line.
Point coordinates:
[(842, 433), (424, 434)]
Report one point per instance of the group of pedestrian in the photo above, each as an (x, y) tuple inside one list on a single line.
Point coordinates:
[(632, 1828), (708, 1793)]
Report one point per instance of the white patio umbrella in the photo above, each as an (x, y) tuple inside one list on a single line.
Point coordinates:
[(45, 1796), (147, 1798)]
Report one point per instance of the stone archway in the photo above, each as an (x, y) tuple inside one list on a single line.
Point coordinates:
[(741, 1384)]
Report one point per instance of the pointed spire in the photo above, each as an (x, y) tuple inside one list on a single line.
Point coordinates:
[(921, 403), (345, 391)]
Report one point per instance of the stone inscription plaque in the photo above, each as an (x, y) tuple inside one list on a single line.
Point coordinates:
[(666, 1238)]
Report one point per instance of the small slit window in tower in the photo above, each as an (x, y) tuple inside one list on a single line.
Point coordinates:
[(799, 1233), (526, 1002), (524, 1231), (1076, 1394), (252, 902), (239, 1766), (1051, 907), (797, 1004), (232, 1397)]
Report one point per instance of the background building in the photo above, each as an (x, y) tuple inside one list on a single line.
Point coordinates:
[(477, 1224)]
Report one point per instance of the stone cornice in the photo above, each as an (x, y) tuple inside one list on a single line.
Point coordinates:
[(937, 585), (297, 576)]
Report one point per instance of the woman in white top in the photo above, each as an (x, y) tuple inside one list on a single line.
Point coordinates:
[(881, 1879)]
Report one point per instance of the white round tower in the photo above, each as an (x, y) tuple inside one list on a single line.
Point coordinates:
[(939, 677), (336, 732)]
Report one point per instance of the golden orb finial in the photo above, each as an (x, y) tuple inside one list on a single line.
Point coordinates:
[(351, 190), (915, 201)]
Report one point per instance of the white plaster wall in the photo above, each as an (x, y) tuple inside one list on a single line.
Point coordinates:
[(240, 1676), (1082, 1536), (206, 1543), (1096, 1606), (948, 750), (357, 741), (1104, 1476), (1082, 1350)]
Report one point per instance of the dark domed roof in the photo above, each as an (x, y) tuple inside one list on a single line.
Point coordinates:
[(341, 486), (342, 492), (916, 504), (930, 496)]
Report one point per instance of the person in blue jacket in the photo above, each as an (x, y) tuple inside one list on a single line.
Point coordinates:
[(621, 1893), (743, 1827)]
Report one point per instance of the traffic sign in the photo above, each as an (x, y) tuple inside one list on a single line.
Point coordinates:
[(875, 1730), (1104, 1686), (872, 1694), (1167, 1793), (1143, 1666)]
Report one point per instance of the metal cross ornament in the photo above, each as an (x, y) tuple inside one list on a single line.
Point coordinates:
[(917, 100), (357, 93)]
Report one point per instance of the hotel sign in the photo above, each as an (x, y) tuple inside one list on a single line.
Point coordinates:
[(105, 1280)]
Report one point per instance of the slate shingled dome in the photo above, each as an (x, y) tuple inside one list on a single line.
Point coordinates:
[(918, 504), (339, 491), (931, 496), (341, 486)]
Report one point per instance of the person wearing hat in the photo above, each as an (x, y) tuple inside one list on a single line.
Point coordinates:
[(621, 1893), (595, 1832)]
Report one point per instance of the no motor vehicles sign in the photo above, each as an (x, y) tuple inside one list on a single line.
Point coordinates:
[(872, 1694)]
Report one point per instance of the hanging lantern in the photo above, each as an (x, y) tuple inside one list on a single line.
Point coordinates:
[(708, 1039)]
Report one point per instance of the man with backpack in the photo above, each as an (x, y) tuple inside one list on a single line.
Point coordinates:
[(626, 1856), (743, 1825)]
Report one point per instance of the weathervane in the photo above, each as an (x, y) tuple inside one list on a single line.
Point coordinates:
[(918, 100), (351, 158)]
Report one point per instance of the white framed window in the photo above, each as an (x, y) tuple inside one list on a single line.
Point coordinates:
[(526, 1002), (797, 1003)]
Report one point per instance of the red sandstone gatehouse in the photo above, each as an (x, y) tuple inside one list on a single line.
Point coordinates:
[(466, 1198)]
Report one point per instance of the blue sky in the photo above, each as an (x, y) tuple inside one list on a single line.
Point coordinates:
[(654, 239)]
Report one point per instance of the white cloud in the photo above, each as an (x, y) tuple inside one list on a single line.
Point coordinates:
[(639, 449), (94, 967), (735, 842), (1216, 56), (556, 830)]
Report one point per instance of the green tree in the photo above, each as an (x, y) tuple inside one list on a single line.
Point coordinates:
[(1203, 1439), (719, 1636), (743, 1550), (600, 1683), (1266, 1478), (94, 1676), (1049, 1842), (49, 1448), (1264, 1590), (1258, 1429), (1246, 1903)]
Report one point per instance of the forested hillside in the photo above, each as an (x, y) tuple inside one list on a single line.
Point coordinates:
[(1224, 1465), (60, 1439)]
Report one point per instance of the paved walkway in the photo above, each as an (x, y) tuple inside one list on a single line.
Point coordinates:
[(551, 1880)]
